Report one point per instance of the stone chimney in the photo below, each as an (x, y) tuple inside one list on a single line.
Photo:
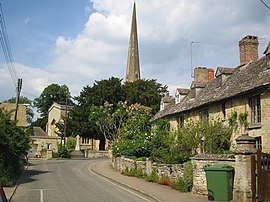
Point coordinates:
[(248, 48), (201, 74)]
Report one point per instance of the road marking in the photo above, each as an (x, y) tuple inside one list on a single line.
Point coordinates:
[(90, 170), (41, 195), (41, 192)]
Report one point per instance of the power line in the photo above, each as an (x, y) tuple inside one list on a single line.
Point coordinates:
[(6, 48), (265, 4)]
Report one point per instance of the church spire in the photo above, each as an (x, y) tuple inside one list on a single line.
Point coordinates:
[(133, 64)]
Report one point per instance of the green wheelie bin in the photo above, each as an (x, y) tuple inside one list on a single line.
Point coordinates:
[(219, 182)]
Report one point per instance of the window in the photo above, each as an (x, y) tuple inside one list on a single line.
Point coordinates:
[(49, 146), (177, 100), (204, 115), (181, 121), (258, 142), (255, 108)]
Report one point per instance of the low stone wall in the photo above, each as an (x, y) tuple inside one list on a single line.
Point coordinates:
[(92, 154), (173, 171), (199, 176)]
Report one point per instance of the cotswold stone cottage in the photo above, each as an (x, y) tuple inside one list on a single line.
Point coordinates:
[(21, 116), (245, 88)]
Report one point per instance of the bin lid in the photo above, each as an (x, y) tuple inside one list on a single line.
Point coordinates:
[(218, 168)]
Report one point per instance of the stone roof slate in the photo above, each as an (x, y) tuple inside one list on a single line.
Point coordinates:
[(183, 91), (37, 131), (243, 79)]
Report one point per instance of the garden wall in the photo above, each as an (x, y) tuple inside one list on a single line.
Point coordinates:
[(201, 160), (92, 154), (173, 171)]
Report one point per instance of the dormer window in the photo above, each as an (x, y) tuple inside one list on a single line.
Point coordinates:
[(161, 106), (177, 99), (180, 94), (166, 101)]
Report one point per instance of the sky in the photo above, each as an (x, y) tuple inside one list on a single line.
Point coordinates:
[(77, 42)]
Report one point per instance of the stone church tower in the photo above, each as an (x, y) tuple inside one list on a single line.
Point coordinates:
[(133, 64)]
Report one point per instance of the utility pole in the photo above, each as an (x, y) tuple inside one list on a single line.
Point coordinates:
[(19, 88)]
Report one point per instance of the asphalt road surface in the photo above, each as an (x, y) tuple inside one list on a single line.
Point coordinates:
[(70, 181)]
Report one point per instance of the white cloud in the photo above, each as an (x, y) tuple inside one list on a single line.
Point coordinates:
[(165, 30)]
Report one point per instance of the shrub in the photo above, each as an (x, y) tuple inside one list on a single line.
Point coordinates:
[(179, 185), (164, 180), (13, 147), (141, 158), (185, 183), (140, 174), (130, 172), (153, 177), (188, 175), (63, 152)]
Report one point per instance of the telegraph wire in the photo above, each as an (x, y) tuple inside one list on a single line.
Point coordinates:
[(6, 48), (265, 4)]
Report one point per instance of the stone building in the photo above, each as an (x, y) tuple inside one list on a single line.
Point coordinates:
[(42, 145), (21, 115), (56, 113), (244, 89)]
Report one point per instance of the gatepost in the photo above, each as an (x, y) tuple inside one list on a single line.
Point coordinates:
[(242, 187)]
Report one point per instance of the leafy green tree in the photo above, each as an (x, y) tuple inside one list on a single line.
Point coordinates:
[(135, 139), (109, 90), (40, 122), (109, 120), (145, 92), (52, 93), (79, 124), (211, 136), (24, 100), (13, 147)]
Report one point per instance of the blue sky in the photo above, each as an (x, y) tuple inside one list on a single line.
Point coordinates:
[(33, 26), (76, 42)]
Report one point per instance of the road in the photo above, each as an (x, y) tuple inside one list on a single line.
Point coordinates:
[(70, 181)]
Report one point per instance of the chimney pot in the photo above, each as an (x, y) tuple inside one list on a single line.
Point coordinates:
[(211, 74)]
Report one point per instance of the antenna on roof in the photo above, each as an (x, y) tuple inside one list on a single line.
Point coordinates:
[(191, 65)]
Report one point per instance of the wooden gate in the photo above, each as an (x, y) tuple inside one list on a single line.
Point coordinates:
[(260, 176)]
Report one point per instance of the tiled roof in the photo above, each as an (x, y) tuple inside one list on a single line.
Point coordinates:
[(183, 91), (224, 70), (168, 99), (37, 131), (243, 79)]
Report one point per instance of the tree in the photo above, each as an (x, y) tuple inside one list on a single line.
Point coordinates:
[(52, 93), (13, 147), (108, 120), (24, 100), (110, 91), (145, 92), (135, 138)]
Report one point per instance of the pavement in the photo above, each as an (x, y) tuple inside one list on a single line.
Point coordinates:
[(155, 191)]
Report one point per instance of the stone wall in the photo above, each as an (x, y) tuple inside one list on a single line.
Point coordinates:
[(173, 171), (91, 154), (199, 161)]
